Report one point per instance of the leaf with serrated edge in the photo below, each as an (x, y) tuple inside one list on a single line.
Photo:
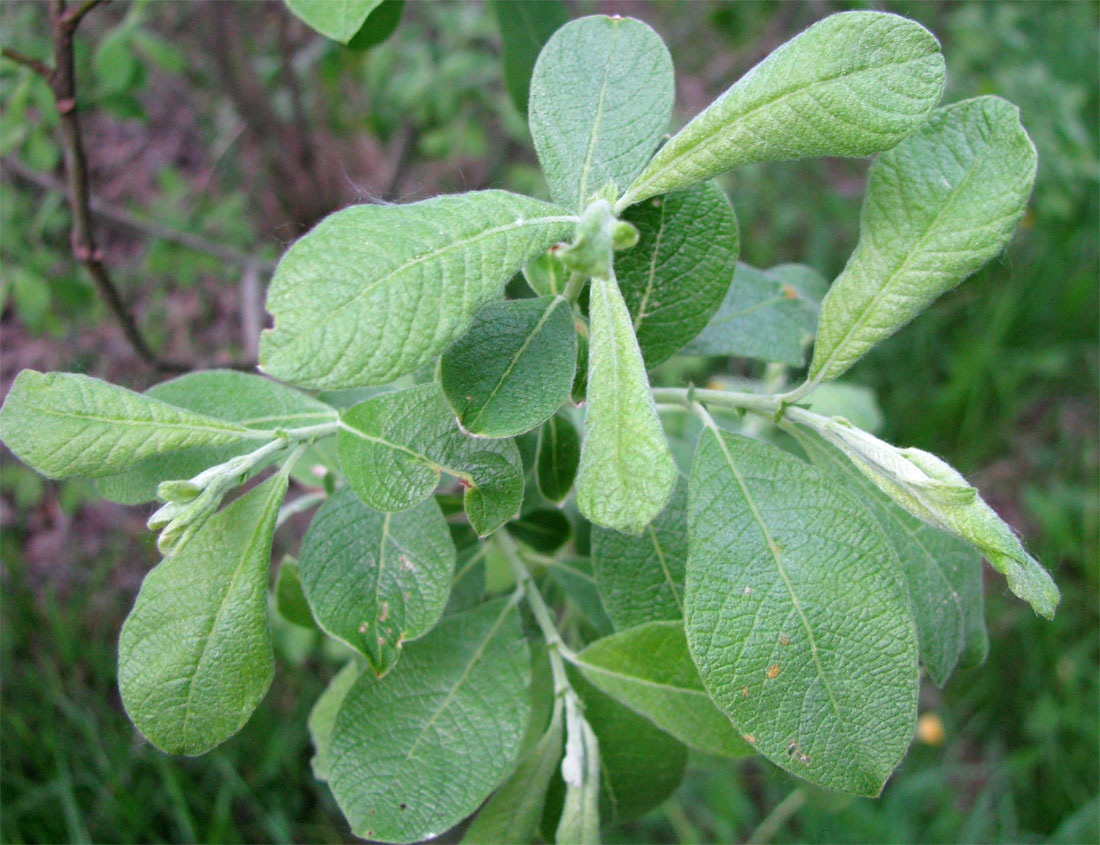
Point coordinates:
[(852, 84), (641, 579), (414, 753), (938, 207), (559, 452), (626, 470), (322, 718), (65, 424), (194, 656), (797, 616), (675, 278), (375, 291), (377, 580), (601, 97), (648, 668), (524, 29), (513, 368)]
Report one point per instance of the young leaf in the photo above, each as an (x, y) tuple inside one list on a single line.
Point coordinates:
[(393, 447), (938, 207), (339, 20), (375, 291), (546, 275), (797, 616), (65, 424), (243, 398), (764, 316), (290, 600), (677, 275), (559, 452), (377, 580), (944, 573), (641, 579), (852, 84), (601, 97), (524, 28), (626, 470), (194, 656), (513, 368), (415, 752), (648, 668), (322, 718), (580, 769)]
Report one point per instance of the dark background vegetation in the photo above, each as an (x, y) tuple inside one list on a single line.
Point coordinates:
[(233, 122)]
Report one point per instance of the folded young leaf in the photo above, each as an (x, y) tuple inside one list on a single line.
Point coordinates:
[(393, 447), (375, 291), (641, 579), (764, 315), (524, 28), (938, 207), (513, 368), (339, 20), (852, 84), (65, 424), (559, 452), (408, 767), (580, 769), (322, 718), (194, 656), (648, 668), (546, 275), (243, 398), (377, 580), (601, 97), (290, 600), (626, 470), (797, 616), (943, 572), (675, 278)]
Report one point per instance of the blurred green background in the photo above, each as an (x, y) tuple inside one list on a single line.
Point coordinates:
[(233, 122)]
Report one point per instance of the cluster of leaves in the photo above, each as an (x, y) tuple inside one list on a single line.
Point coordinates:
[(776, 598)]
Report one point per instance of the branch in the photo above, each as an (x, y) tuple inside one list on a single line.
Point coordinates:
[(38, 66)]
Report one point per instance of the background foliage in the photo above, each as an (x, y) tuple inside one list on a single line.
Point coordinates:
[(999, 377)]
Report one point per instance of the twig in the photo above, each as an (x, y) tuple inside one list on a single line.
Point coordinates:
[(38, 66), (778, 817)]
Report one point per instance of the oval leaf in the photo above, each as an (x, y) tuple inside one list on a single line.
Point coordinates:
[(375, 291), (797, 616), (335, 19), (938, 207), (377, 580), (322, 718), (559, 452), (524, 29), (290, 600), (852, 84), (601, 97)]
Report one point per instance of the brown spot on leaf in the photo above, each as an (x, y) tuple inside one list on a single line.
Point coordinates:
[(744, 691), (364, 627), (784, 639), (773, 670)]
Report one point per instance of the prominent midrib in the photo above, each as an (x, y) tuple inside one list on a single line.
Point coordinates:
[(598, 118), (645, 682), (652, 270), (215, 425), (664, 568), (389, 444)]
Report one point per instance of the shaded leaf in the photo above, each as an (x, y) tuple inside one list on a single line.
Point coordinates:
[(290, 601), (339, 20), (559, 452), (524, 28), (322, 718)]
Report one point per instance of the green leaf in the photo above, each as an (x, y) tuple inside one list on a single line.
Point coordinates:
[(580, 769), (322, 718), (524, 28), (559, 452), (512, 814), (546, 275), (797, 616), (249, 400), (393, 447), (290, 600), (380, 25), (375, 291), (65, 424), (762, 316), (852, 84), (938, 207), (513, 368), (339, 20), (943, 573), (601, 97), (676, 277), (641, 579), (414, 753), (194, 656), (575, 577), (377, 580), (626, 470), (544, 529), (648, 668)]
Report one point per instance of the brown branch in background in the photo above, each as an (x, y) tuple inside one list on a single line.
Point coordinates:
[(39, 67)]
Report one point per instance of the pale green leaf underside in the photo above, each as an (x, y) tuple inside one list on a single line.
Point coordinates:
[(377, 580), (601, 97), (626, 470), (852, 84), (648, 668), (675, 278), (513, 368), (194, 656), (322, 718), (797, 616), (415, 752), (938, 207), (375, 291), (335, 19), (580, 815), (65, 424)]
